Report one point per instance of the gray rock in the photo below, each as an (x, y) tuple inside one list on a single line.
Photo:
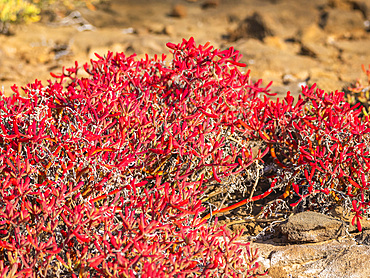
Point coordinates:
[(363, 7), (312, 34), (364, 237), (320, 51), (255, 26), (336, 258), (339, 22), (350, 262), (309, 227), (358, 47), (179, 11)]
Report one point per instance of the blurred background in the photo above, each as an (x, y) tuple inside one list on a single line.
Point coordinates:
[(290, 42)]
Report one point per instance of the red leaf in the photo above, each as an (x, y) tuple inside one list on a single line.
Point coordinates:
[(359, 227), (55, 251), (296, 188), (215, 174), (236, 63), (171, 45), (355, 184), (81, 238), (94, 262), (157, 151)]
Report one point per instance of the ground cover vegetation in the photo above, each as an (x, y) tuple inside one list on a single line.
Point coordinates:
[(107, 175)]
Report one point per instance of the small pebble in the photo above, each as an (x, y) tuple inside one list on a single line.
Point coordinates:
[(210, 4), (179, 11)]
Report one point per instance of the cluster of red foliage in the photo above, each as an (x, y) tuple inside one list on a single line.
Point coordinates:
[(321, 148), (319, 152), (102, 176), (105, 175)]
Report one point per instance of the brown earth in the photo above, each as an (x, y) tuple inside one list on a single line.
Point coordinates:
[(290, 42)]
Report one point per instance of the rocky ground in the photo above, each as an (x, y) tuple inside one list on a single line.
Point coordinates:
[(290, 42), (310, 244)]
